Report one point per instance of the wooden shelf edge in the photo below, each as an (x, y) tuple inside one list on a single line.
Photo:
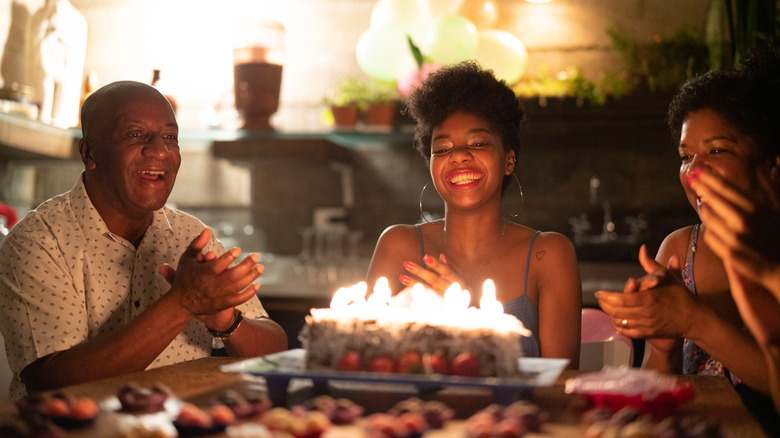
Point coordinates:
[(29, 139), (268, 148)]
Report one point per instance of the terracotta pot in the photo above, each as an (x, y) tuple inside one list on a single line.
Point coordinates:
[(345, 117), (381, 115)]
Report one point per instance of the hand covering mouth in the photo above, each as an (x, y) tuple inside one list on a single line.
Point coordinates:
[(465, 178), (152, 175)]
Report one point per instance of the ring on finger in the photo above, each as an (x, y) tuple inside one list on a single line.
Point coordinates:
[(624, 323)]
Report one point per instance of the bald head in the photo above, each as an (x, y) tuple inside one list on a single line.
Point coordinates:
[(131, 154), (100, 109)]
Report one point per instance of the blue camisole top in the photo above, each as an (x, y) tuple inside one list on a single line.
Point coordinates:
[(520, 307)]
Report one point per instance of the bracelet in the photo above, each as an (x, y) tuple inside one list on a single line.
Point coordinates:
[(238, 316)]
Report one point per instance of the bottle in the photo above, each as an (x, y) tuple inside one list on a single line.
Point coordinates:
[(160, 85), (90, 85)]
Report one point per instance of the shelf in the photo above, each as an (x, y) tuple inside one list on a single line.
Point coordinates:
[(250, 149), (23, 138), (324, 146)]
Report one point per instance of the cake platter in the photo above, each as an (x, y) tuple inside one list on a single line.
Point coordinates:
[(279, 368)]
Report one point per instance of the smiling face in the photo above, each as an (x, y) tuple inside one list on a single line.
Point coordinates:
[(468, 161), (708, 140), (131, 152)]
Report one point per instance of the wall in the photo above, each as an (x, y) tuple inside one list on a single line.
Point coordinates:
[(189, 42)]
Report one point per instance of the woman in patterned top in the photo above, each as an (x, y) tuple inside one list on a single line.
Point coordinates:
[(726, 123)]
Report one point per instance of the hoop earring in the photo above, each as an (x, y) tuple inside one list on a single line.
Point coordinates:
[(422, 192), (522, 200)]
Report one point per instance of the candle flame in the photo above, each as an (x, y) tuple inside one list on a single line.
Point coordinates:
[(456, 298), (488, 301), (382, 293), (421, 303), (418, 297), (341, 298), (358, 292), (349, 296), (381, 283)]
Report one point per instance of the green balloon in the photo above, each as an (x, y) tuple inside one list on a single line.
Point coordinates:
[(451, 39), (383, 52)]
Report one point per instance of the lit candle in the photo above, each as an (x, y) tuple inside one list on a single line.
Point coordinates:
[(421, 304), (488, 301), (455, 298), (358, 293), (381, 295), (341, 298), (418, 298)]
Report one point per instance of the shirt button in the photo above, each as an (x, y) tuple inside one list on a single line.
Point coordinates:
[(137, 303)]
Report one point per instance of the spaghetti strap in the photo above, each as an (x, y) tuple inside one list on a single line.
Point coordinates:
[(687, 270), (528, 260), (422, 245)]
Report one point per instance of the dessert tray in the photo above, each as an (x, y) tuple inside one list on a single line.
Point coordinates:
[(279, 368)]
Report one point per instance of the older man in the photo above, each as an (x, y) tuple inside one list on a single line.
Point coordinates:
[(105, 279)]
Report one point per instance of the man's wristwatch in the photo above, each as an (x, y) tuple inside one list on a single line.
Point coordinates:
[(238, 316)]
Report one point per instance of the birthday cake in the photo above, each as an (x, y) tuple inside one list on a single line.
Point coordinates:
[(418, 331)]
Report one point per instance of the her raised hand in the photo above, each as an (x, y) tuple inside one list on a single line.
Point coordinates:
[(741, 229), (436, 274)]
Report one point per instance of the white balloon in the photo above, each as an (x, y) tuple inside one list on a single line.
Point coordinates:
[(405, 11), (503, 53)]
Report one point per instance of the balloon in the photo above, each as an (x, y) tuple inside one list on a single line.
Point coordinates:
[(451, 39), (411, 79), (392, 11), (439, 8), (384, 53), (503, 53), (483, 13)]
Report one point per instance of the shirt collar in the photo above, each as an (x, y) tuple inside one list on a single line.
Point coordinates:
[(94, 226)]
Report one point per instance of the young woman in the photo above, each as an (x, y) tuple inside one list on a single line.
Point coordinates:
[(468, 133)]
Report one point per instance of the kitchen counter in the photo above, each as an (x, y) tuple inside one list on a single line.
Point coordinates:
[(197, 381)]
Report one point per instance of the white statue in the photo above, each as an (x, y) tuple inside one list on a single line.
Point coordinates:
[(60, 36)]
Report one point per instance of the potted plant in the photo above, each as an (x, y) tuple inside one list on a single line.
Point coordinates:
[(345, 106), (381, 106), (731, 28)]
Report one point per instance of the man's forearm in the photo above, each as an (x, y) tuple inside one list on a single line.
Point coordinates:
[(256, 337), (130, 349)]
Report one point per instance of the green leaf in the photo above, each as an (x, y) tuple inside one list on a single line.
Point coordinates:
[(418, 56)]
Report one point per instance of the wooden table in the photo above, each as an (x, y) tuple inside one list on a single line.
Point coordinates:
[(198, 380)]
